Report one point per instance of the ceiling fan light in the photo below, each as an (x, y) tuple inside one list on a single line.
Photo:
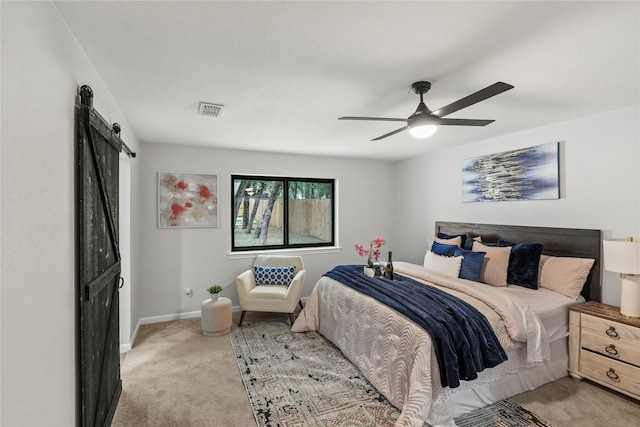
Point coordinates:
[(423, 131)]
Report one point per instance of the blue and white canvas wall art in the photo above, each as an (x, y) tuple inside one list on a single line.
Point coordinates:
[(525, 174)]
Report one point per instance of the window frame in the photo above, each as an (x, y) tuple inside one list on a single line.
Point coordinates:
[(285, 212)]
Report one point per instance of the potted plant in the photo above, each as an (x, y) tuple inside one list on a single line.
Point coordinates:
[(214, 291)]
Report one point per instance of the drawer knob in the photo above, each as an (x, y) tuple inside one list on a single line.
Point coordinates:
[(611, 349), (612, 332), (611, 373)]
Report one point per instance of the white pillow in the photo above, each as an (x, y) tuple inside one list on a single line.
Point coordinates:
[(448, 266)]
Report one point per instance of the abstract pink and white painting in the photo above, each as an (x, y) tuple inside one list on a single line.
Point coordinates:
[(187, 200)]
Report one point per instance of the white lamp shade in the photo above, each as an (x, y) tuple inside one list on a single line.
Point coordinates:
[(622, 256)]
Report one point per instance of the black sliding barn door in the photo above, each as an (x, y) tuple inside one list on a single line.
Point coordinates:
[(98, 264)]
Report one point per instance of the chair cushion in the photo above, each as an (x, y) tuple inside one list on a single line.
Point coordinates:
[(268, 292), (266, 275)]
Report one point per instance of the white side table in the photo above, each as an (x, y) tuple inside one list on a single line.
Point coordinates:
[(216, 317)]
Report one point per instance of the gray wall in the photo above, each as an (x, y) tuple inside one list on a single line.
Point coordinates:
[(600, 185), (174, 259), (600, 188)]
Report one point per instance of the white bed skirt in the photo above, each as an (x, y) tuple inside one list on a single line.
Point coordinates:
[(483, 394)]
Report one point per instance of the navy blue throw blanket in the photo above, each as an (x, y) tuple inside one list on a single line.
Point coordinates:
[(463, 339)]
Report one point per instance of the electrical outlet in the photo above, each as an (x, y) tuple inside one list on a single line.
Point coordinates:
[(188, 292)]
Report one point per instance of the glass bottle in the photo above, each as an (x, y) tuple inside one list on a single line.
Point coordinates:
[(389, 269)]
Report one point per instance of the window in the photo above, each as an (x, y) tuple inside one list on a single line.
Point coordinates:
[(263, 218)]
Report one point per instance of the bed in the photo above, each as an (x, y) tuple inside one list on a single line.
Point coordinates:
[(398, 356)]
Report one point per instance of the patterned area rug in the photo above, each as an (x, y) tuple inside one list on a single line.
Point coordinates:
[(304, 380), (505, 413)]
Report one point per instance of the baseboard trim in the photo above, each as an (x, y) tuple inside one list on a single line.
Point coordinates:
[(159, 319), (169, 317)]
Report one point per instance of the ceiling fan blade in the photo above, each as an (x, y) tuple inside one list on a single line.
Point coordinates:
[(464, 122), (382, 119), (481, 95), (390, 133)]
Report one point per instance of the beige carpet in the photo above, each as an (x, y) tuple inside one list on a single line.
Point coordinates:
[(570, 403), (175, 376)]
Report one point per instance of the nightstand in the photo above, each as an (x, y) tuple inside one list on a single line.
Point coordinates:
[(604, 347)]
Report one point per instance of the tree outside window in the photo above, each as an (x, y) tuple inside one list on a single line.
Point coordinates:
[(263, 218)]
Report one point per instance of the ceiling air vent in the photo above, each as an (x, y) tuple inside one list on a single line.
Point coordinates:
[(210, 110)]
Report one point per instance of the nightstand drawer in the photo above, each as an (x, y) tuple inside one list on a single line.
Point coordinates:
[(626, 351), (610, 372), (604, 346), (607, 328)]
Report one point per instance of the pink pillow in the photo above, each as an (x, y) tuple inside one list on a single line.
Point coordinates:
[(564, 275), (454, 241), (495, 265)]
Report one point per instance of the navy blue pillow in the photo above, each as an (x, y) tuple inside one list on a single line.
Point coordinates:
[(442, 249), (467, 241), (523, 263), (471, 268)]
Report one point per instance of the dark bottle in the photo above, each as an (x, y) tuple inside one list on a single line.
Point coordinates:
[(389, 269)]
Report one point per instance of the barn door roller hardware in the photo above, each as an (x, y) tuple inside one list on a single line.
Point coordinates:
[(86, 99)]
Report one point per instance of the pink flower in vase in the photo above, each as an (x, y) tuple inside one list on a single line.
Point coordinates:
[(373, 253)]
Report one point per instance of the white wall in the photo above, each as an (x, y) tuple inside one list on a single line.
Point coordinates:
[(42, 68), (600, 185), (174, 259)]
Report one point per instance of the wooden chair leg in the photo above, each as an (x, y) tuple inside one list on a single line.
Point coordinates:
[(241, 318), (300, 304), (291, 318)]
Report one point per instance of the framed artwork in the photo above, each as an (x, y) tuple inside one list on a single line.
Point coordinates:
[(525, 174), (187, 200)]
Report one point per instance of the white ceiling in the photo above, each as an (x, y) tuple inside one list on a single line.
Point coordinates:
[(285, 71)]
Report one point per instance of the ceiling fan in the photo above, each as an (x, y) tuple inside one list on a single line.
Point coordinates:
[(424, 122)]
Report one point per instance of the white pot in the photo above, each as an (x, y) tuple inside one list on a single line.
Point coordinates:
[(371, 272), (214, 297)]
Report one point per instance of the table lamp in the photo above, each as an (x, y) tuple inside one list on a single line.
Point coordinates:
[(623, 256)]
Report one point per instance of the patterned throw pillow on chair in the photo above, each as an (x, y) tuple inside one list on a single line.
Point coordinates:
[(274, 275)]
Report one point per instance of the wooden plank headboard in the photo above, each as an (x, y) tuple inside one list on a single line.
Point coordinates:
[(574, 242)]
